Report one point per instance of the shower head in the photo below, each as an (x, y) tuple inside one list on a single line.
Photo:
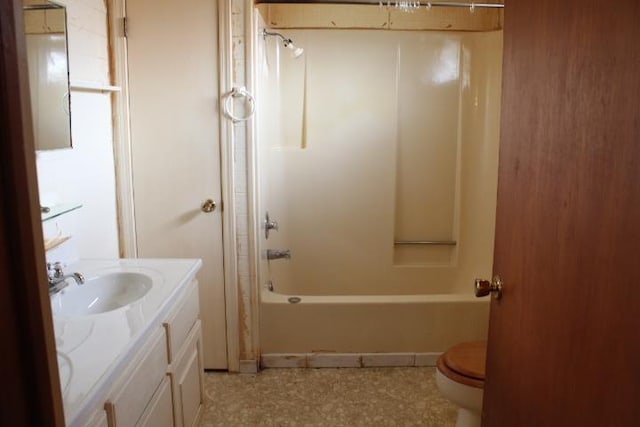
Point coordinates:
[(296, 52)]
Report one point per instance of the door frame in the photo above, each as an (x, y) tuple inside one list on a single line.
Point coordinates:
[(30, 371), (116, 11)]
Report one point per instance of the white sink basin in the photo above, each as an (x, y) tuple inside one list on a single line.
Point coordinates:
[(101, 294), (65, 370)]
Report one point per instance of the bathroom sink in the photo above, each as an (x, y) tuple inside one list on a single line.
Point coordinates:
[(101, 294), (65, 370)]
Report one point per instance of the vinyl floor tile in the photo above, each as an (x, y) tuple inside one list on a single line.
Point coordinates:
[(327, 397)]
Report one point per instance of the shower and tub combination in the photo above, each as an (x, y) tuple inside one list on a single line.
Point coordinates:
[(377, 172)]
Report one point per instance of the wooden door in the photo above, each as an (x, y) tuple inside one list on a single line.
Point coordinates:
[(32, 395), (564, 340), (173, 86)]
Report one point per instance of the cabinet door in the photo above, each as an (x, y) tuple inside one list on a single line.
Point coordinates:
[(188, 382), (125, 408), (159, 412), (99, 419)]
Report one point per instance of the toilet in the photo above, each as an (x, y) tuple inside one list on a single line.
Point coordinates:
[(460, 378)]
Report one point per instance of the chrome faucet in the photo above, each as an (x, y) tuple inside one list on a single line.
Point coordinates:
[(278, 254), (58, 280)]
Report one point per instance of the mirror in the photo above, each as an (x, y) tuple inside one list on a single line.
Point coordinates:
[(48, 62)]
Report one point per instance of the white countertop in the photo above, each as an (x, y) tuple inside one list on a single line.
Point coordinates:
[(92, 349)]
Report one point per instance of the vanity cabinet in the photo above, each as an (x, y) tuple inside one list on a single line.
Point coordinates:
[(138, 384), (136, 359), (163, 385), (99, 419), (159, 412)]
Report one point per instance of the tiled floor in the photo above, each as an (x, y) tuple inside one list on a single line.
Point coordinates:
[(326, 397)]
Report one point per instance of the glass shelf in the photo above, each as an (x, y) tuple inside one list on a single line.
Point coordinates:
[(50, 212)]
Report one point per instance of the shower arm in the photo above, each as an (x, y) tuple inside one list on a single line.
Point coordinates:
[(285, 41)]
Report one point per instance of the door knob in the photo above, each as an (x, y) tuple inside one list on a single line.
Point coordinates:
[(208, 206), (485, 287)]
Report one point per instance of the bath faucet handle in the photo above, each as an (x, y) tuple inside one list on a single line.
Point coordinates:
[(54, 270), (269, 224)]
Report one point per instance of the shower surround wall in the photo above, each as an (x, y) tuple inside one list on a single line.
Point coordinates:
[(369, 138)]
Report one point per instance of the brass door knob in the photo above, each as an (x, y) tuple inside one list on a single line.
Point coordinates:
[(485, 287), (208, 206)]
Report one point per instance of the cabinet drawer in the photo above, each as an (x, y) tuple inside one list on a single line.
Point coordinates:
[(181, 320), (159, 412), (125, 408), (187, 380)]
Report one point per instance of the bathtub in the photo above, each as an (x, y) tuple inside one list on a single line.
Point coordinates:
[(363, 330), (384, 189)]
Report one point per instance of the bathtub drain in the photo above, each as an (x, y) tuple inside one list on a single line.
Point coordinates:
[(294, 300)]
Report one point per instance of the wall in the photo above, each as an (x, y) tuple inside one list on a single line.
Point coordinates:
[(85, 174), (375, 136), (244, 24)]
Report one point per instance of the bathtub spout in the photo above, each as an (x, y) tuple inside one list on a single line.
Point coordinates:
[(278, 254)]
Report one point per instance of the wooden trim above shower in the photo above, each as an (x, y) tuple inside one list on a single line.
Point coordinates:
[(350, 16)]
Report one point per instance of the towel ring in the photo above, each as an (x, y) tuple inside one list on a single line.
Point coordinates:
[(237, 92)]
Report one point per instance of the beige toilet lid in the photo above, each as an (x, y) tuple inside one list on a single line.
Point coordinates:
[(467, 359)]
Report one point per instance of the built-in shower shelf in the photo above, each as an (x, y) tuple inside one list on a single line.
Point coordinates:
[(425, 242)]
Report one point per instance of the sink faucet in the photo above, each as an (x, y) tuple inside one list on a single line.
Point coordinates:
[(58, 280)]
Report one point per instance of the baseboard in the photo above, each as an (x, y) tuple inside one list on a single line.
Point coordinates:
[(346, 360), (248, 366)]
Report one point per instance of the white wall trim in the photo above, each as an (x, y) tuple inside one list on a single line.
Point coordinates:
[(121, 130), (252, 181), (347, 360), (228, 189)]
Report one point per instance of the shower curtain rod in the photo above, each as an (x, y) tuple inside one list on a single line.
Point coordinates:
[(469, 5)]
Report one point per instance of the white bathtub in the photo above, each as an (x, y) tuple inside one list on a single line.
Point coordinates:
[(359, 325)]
